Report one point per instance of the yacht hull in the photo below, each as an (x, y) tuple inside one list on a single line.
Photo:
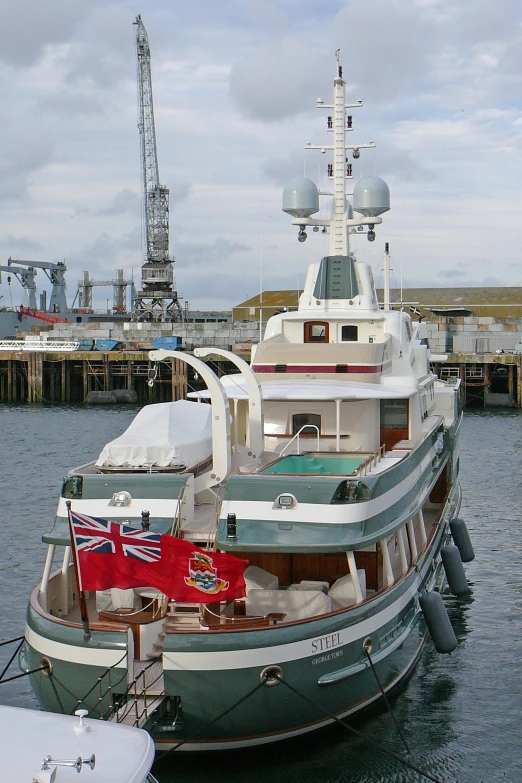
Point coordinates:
[(215, 679)]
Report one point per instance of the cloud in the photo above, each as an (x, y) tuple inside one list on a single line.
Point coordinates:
[(449, 273), (125, 200), (392, 55), (72, 103), (203, 256), (179, 192), (281, 170), (277, 80), (28, 27), (17, 246), (20, 160)]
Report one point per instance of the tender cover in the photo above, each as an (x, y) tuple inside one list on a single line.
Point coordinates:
[(168, 434)]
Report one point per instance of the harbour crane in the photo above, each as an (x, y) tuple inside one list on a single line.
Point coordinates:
[(56, 274), (158, 299), (26, 278)]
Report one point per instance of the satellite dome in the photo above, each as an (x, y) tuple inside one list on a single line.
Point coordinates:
[(371, 197), (301, 198)]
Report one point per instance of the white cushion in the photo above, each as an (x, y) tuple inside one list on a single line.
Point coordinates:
[(342, 592), (256, 577), (294, 604), (114, 598), (307, 584)]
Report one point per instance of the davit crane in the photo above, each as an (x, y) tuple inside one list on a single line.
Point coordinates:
[(56, 274), (158, 301)]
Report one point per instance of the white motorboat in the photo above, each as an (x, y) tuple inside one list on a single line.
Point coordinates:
[(42, 747)]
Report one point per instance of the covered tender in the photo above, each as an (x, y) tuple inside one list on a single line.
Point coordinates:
[(168, 434)]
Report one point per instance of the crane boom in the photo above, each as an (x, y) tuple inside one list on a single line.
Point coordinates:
[(156, 204), (55, 272), (26, 278), (158, 300)]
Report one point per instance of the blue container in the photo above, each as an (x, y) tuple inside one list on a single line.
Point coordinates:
[(86, 345), (167, 343), (106, 345)]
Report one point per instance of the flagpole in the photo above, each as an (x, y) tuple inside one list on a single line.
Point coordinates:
[(81, 595)]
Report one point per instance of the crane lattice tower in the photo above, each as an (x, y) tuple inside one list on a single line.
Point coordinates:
[(158, 300)]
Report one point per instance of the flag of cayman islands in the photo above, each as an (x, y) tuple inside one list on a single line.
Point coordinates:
[(128, 546), (113, 555)]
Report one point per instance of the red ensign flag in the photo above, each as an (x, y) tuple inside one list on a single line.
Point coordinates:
[(114, 555)]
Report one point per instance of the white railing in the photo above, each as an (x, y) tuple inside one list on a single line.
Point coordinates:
[(371, 462), (38, 345), (296, 436)]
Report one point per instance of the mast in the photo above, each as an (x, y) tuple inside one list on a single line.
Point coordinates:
[(370, 197)]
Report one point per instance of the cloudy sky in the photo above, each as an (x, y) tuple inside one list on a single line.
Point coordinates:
[(235, 84)]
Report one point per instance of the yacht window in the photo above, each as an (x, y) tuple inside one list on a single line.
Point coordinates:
[(316, 332), (302, 420), (394, 414), (72, 487), (349, 333)]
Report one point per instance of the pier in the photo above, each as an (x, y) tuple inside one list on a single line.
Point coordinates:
[(489, 379), (59, 377)]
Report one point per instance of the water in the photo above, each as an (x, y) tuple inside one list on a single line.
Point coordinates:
[(461, 714)]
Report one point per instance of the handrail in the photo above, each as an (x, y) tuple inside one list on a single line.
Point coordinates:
[(371, 462), (297, 434)]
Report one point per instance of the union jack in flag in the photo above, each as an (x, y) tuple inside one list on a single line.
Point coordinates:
[(93, 534)]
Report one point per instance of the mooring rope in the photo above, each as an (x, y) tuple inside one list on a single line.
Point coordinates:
[(385, 697), (13, 656), (53, 686), (212, 722), (25, 674), (377, 745)]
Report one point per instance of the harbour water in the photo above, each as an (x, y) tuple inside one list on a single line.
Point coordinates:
[(461, 714)]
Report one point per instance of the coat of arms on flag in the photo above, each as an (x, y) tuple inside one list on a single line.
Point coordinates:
[(203, 575)]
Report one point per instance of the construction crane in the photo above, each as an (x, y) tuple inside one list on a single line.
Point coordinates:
[(26, 278), (158, 299), (56, 274)]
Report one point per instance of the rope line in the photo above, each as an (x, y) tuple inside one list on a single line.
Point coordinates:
[(212, 722), (13, 656), (24, 674), (377, 745), (58, 699), (10, 641), (386, 701)]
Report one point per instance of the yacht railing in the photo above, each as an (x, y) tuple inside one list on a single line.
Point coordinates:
[(177, 521), (297, 437), (371, 462)]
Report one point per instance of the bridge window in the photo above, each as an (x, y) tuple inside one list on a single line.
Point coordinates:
[(349, 333), (316, 332), (302, 420)]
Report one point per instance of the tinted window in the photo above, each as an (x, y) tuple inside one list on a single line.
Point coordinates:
[(394, 414), (302, 419), (349, 333)]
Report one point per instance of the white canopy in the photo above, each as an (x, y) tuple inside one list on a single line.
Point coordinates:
[(169, 434), (319, 389)]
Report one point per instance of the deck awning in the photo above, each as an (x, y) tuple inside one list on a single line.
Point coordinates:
[(310, 389)]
